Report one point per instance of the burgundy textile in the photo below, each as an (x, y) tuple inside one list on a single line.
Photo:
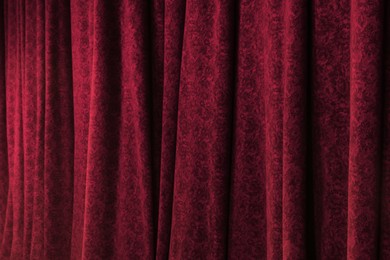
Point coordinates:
[(194, 129)]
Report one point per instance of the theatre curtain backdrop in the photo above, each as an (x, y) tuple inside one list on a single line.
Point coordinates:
[(197, 129)]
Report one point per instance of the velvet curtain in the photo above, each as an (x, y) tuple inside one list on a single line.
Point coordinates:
[(194, 129)]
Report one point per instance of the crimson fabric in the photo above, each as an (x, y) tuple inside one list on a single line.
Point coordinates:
[(194, 129)]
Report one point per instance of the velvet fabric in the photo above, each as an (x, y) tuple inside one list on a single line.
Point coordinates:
[(194, 129)]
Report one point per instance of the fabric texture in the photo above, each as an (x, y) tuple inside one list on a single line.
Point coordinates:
[(194, 129)]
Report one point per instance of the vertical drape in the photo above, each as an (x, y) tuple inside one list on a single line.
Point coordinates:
[(174, 129)]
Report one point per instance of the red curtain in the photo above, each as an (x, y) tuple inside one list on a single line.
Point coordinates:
[(197, 129)]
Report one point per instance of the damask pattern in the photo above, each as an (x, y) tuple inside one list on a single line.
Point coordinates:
[(183, 129)]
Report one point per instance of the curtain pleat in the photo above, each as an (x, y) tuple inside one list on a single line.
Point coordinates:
[(330, 67), (366, 39), (173, 129)]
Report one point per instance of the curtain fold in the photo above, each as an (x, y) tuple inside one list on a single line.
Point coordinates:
[(173, 129)]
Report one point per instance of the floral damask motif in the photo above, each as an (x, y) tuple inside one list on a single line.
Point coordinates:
[(194, 129)]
